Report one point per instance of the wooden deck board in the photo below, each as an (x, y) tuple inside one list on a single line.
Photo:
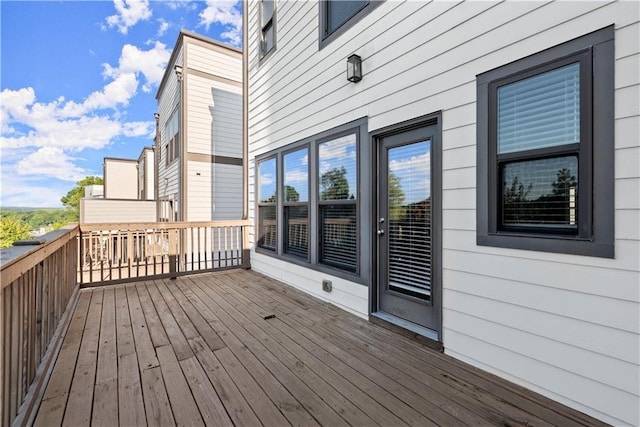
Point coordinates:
[(238, 348)]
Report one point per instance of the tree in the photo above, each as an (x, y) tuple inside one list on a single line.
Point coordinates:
[(396, 197), (291, 194), (334, 185), (72, 199), (11, 230)]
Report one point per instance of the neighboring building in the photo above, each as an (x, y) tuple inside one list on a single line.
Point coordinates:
[(118, 174), (146, 174), (479, 186), (199, 137), (119, 201)]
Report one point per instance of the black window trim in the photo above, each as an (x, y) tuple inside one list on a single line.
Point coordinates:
[(596, 235), (324, 38), (261, 28), (260, 203), (359, 127), (305, 146)]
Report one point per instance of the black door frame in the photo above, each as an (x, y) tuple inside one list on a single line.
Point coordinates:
[(433, 119)]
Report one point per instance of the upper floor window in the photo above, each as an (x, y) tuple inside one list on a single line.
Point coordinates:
[(338, 15), (172, 136), (545, 150), (267, 26)]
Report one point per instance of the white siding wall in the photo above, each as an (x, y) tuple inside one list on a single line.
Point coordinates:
[(121, 178), (149, 175), (215, 60), (168, 178), (214, 191), (104, 211), (214, 117), (565, 326)]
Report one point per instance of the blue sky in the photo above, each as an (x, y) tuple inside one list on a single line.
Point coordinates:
[(78, 81)]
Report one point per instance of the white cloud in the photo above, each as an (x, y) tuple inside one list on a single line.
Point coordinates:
[(296, 176), (164, 26), (150, 63), (51, 162), (227, 13), (129, 13)]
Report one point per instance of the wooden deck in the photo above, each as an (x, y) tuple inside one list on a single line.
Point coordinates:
[(237, 348)]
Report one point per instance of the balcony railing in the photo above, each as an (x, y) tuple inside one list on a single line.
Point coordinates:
[(39, 286), (110, 253)]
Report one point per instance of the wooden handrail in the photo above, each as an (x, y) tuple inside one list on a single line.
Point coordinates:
[(38, 284), (22, 258), (161, 225), (124, 252)]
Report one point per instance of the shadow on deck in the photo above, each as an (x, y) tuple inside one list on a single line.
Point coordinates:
[(238, 348)]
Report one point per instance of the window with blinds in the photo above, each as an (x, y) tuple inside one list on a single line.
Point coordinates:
[(307, 208), (541, 111), (267, 205), (337, 191), (545, 149), (296, 203), (338, 236), (538, 147)]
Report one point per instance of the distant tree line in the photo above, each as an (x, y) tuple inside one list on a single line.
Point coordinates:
[(19, 224)]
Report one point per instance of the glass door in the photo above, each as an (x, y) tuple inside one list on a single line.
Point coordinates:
[(405, 227)]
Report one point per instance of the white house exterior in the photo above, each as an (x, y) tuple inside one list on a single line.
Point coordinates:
[(118, 174), (146, 174), (200, 132), (480, 185)]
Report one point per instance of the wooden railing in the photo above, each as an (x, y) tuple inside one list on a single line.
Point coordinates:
[(111, 253), (39, 287), (38, 290)]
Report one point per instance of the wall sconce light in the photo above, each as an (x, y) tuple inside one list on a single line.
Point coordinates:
[(156, 116), (354, 68), (178, 69)]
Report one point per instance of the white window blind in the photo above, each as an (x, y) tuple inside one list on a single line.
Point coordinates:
[(540, 111)]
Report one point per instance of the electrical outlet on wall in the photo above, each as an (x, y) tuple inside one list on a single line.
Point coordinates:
[(326, 285)]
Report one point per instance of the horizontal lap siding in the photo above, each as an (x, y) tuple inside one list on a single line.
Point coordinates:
[(563, 325), (168, 179), (213, 191), (214, 117), (105, 211)]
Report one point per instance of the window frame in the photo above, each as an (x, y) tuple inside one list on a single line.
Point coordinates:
[(364, 216), (324, 36), (261, 204), (340, 202), (271, 23), (286, 204), (172, 143), (595, 234)]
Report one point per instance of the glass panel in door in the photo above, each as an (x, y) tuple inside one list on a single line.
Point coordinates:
[(409, 213)]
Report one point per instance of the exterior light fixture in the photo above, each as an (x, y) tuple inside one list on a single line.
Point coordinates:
[(354, 68), (178, 70)]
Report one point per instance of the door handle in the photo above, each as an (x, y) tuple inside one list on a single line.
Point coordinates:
[(380, 232)]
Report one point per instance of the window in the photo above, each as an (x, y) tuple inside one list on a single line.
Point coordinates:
[(172, 136), (296, 203), (267, 27), (308, 204), (545, 150), (336, 16), (337, 190), (267, 208)]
